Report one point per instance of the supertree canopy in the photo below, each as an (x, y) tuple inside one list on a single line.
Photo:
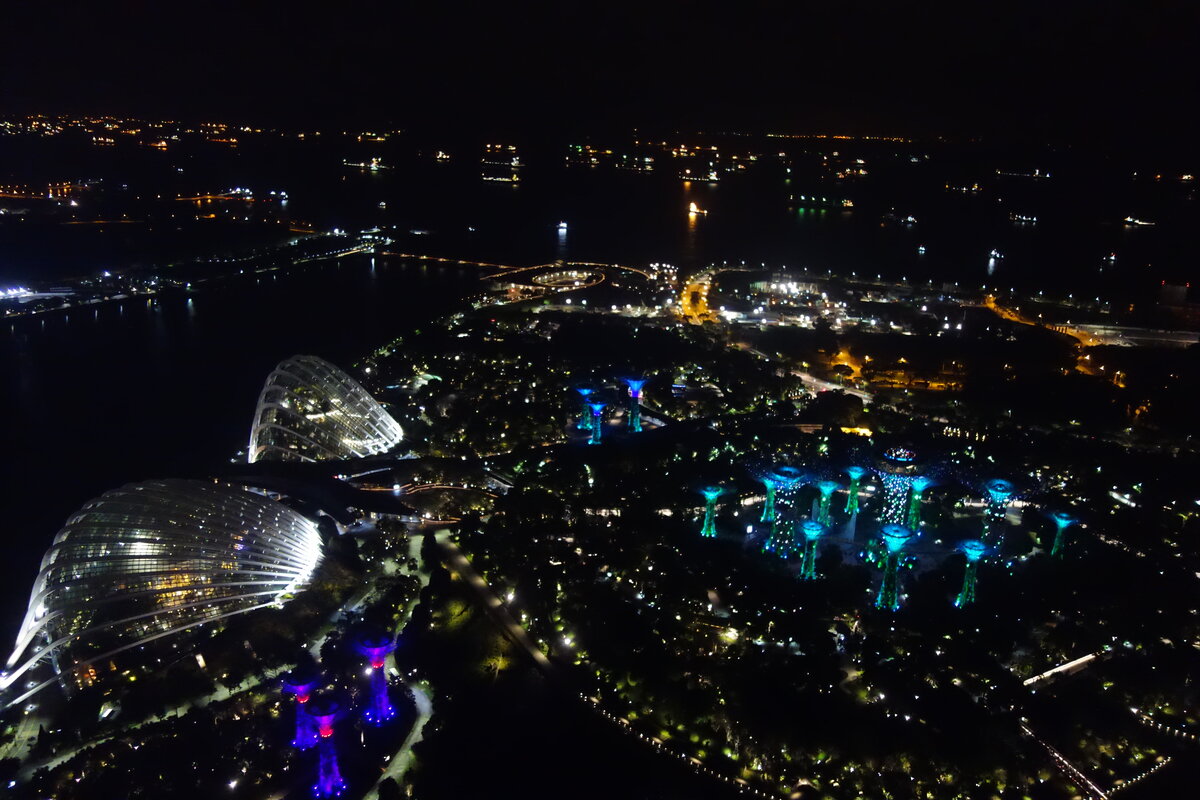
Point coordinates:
[(974, 550), (826, 488), (1000, 494), (1062, 521), (325, 710), (597, 409), (375, 645), (894, 539), (856, 475), (585, 419), (635, 403), (919, 484), (812, 531), (711, 493), (896, 472), (302, 682)]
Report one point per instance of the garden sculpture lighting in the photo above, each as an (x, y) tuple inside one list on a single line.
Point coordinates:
[(812, 531), (635, 403), (324, 711), (1000, 493), (376, 645), (711, 493), (856, 475), (301, 683), (597, 423), (1062, 521), (894, 539), (974, 550), (826, 488), (585, 419), (786, 479), (919, 484)]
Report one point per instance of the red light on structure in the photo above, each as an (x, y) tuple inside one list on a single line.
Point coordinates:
[(301, 698), (326, 731), (377, 663)]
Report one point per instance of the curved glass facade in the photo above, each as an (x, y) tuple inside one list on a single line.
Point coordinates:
[(310, 410), (153, 559)]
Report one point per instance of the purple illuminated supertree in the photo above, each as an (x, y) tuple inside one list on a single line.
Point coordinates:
[(1062, 521), (324, 710), (375, 645), (826, 488), (974, 550), (585, 420), (302, 682), (597, 409), (635, 403), (919, 484), (812, 531), (894, 539), (856, 475), (1000, 494)]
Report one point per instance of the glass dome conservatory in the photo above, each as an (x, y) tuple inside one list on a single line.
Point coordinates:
[(310, 410)]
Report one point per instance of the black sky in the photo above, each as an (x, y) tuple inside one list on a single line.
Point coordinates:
[(1055, 68)]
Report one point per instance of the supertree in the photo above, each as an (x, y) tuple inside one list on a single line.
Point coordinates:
[(1000, 493), (774, 478), (585, 420), (597, 410), (919, 484), (826, 488), (711, 493), (856, 475), (375, 644), (324, 711), (635, 403), (894, 539), (1062, 521), (974, 550), (786, 479), (896, 472), (302, 682), (812, 531)]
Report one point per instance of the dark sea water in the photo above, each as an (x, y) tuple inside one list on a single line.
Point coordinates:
[(93, 399)]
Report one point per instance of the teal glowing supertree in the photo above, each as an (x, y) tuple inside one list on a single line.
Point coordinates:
[(635, 403), (856, 475), (919, 485), (711, 493), (768, 512), (974, 550), (826, 488), (894, 539), (812, 531), (597, 423), (896, 471), (585, 420), (785, 479), (1000, 493), (1062, 521)]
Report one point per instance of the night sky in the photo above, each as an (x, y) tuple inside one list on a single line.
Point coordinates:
[(1100, 71)]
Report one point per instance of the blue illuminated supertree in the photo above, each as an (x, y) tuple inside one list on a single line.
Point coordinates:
[(1062, 521), (974, 550), (774, 478), (919, 484), (894, 539), (826, 488), (585, 420), (302, 682), (786, 479), (597, 423), (812, 531), (1000, 493), (375, 645), (635, 403), (324, 711), (856, 475), (711, 493), (896, 472)]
